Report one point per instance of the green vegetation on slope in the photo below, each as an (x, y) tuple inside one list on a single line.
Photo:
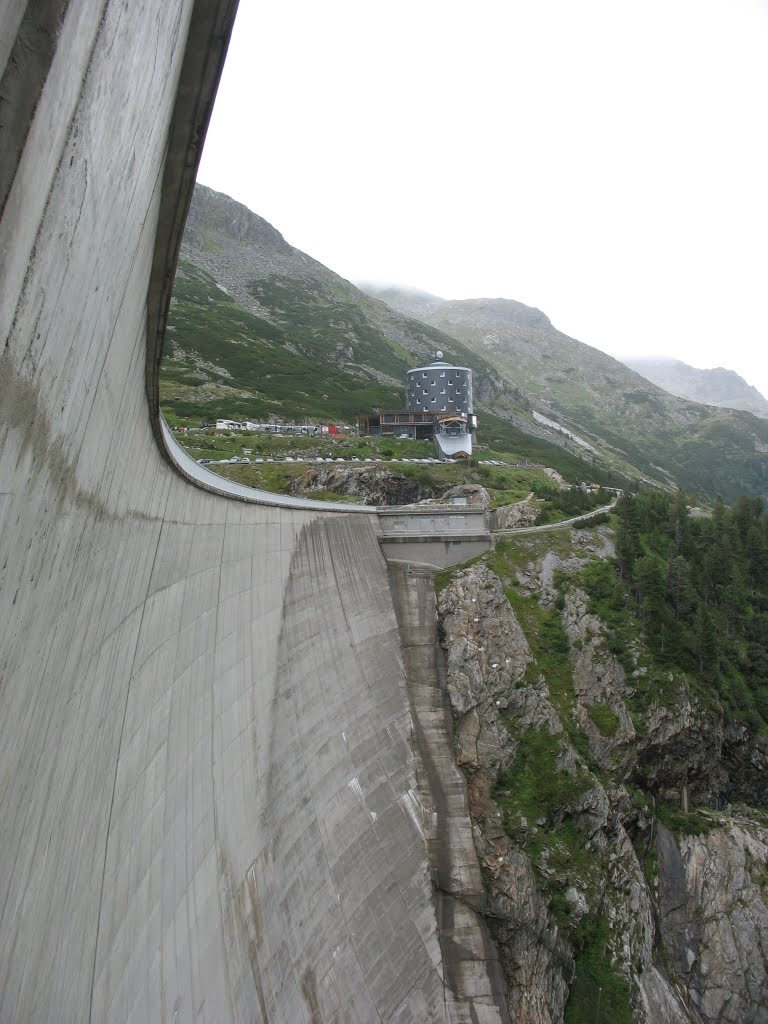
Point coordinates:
[(539, 799), (671, 569), (705, 450), (505, 484), (698, 588), (321, 324), (714, 452), (221, 360), (599, 994), (543, 629), (566, 504), (500, 434)]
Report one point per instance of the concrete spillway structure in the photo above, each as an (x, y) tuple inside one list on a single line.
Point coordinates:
[(208, 799)]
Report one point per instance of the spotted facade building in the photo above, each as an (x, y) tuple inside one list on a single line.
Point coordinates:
[(440, 388)]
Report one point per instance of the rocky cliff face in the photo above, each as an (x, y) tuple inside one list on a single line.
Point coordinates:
[(375, 485), (522, 513), (621, 882), (714, 919)]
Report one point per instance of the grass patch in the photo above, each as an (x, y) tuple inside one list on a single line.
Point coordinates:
[(212, 444), (599, 993), (348, 499), (681, 823), (443, 578), (604, 718), (536, 786), (543, 629)]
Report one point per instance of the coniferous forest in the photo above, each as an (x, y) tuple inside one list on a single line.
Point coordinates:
[(699, 588)]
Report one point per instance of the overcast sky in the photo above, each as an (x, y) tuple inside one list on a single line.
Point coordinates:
[(604, 160)]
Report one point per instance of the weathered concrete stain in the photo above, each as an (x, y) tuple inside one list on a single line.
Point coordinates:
[(309, 991)]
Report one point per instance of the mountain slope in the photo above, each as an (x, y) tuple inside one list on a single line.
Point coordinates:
[(258, 328), (319, 314), (704, 450), (241, 286), (718, 386)]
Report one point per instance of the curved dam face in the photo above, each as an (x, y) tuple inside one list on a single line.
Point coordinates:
[(208, 801)]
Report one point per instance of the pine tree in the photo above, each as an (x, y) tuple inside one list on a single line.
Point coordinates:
[(707, 645), (679, 586), (650, 587), (627, 535)]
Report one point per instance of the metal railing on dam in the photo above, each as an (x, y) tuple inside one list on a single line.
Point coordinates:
[(207, 781)]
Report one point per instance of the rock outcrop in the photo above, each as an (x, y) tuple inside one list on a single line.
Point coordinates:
[(487, 656), (599, 685), (570, 755), (374, 485), (714, 918), (522, 513), (475, 494)]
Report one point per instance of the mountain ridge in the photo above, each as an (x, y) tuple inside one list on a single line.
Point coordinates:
[(320, 347), (716, 386)]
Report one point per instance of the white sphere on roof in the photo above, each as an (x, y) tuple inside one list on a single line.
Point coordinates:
[(439, 355)]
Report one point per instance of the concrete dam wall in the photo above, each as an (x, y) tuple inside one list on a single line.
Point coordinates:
[(208, 791)]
